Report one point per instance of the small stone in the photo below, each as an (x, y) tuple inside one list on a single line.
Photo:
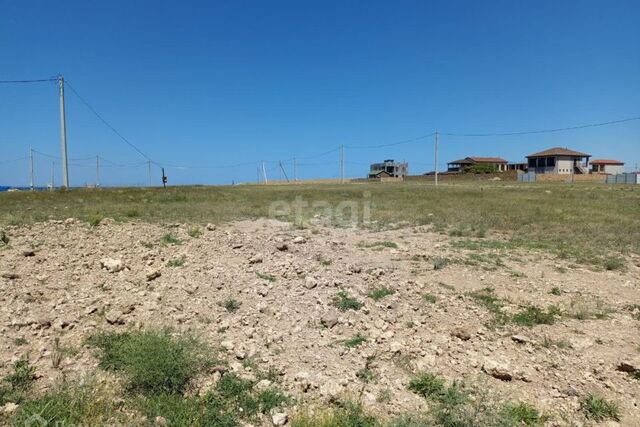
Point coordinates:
[(153, 275), (310, 282), (10, 276), (8, 408), (355, 269), (329, 320), (282, 247), (256, 259), (520, 339), (112, 265), (161, 421), (262, 385), (279, 419), (299, 240), (28, 253), (211, 227), (497, 370), (263, 292), (227, 345), (462, 333), (114, 317)]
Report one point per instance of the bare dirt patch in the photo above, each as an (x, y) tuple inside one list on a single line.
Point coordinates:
[(334, 312)]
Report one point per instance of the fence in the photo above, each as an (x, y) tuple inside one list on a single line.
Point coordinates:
[(624, 178), (527, 177)]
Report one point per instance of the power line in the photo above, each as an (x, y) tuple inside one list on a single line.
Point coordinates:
[(406, 141), (530, 132), (28, 81), (109, 125)]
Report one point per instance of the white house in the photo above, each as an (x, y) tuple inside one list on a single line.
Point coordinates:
[(607, 166)]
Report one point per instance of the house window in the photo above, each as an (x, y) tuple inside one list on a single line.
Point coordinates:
[(551, 162), (532, 163)]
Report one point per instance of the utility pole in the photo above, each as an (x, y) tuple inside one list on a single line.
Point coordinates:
[(31, 168), (295, 170), (164, 179), (149, 169), (436, 155), (63, 135), (264, 174), (258, 174), (53, 176), (342, 164), (97, 171), (284, 172)]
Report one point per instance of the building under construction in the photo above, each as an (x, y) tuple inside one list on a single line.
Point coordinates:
[(389, 169)]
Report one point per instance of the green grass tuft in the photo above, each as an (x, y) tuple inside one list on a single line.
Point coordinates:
[(170, 239), (430, 298), (356, 341), (344, 302), (379, 293), (597, 408), (151, 362)]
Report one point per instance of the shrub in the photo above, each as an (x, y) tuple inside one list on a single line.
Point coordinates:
[(4, 239), (613, 263), (344, 302), (597, 408), (427, 385), (177, 262), (344, 414), (379, 293), (151, 362), (439, 263), (556, 291), (194, 232), (231, 305), (522, 414)]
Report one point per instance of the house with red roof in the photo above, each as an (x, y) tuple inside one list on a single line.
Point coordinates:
[(607, 166), (489, 164)]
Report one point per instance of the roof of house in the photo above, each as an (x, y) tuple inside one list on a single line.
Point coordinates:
[(474, 160), (559, 151), (606, 162)]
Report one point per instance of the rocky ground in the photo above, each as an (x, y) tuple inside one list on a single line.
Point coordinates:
[(67, 279)]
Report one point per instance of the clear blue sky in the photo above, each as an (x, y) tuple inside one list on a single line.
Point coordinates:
[(205, 83)]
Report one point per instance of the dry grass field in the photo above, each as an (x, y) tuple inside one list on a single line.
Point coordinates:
[(475, 304)]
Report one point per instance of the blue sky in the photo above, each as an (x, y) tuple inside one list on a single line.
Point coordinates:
[(201, 84)]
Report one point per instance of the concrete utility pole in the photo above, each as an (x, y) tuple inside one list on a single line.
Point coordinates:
[(149, 170), (264, 174), (342, 164), (31, 168), (284, 172), (295, 170), (53, 176), (63, 135), (97, 171), (436, 155)]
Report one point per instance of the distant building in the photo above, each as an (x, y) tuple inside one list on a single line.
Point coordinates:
[(389, 169), (559, 160), (470, 163), (607, 166)]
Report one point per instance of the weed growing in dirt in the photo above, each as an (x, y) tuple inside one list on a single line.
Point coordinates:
[(549, 342), (344, 302), (533, 315), (342, 414), (15, 386), (430, 298), (95, 219), (439, 263), (455, 405), (151, 362), (523, 414), (597, 408), (588, 309), (177, 262), (20, 341), (231, 305), (71, 404), (170, 239), (356, 341), (556, 291), (366, 375), (194, 232), (613, 263), (378, 293), (265, 276), (4, 239), (488, 299)]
